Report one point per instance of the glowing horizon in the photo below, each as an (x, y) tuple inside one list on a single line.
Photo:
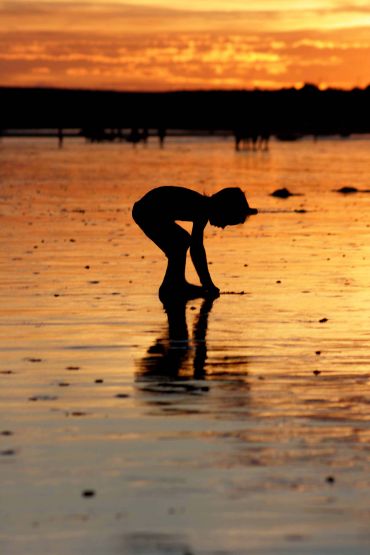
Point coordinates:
[(197, 44)]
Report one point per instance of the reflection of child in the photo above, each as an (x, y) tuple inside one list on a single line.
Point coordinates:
[(156, 214)]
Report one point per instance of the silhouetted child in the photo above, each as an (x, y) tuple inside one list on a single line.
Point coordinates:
[(156, 214)]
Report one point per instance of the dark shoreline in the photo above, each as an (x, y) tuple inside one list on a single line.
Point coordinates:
[(307, 111)]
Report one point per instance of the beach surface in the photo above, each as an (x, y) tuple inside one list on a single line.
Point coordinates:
[(235, 427)]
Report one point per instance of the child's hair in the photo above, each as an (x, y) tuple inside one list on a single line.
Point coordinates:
[(232, 205)]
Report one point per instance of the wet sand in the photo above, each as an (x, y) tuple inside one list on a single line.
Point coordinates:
[(120, 436)]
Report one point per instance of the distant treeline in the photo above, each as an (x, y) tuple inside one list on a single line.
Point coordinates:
[(286, 111)]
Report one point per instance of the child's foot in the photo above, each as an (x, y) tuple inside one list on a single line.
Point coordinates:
[(192, 291), (185, 291)]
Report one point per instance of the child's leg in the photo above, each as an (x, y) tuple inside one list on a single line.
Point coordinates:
[(174, 284), (174, 241), (175, 245)]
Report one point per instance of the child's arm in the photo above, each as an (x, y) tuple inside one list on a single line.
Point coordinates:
[(199, 257)]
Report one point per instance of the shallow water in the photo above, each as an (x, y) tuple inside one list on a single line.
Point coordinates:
[(253, 435)]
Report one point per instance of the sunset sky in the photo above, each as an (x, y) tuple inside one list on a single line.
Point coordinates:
[(184, 44)]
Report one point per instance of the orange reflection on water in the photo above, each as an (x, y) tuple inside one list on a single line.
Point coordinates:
[(224, 416)]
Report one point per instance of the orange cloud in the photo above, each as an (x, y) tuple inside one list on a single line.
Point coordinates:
[(63, 43)]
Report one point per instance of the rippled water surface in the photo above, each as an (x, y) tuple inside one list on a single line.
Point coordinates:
[(120, 436)]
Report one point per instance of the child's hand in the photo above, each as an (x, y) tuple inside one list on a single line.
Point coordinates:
[(212, 291)]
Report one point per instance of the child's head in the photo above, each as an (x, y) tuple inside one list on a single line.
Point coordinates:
[(229, 207)]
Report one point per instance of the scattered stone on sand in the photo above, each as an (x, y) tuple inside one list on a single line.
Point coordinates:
[(347, 190), (317, 352), (94, 282), (63, 384), (282, 193), (7, 452), (295, 537), (330, 479), (32, 359), (300, 211), (88, 493), (6, 433), (278, 281), (72, 367), (87, 267), (77, 413), (43, 398), (323, 320), (317, 372), (99, 380), (7, 372), (122, 395)]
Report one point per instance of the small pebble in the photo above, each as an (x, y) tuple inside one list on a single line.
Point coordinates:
[(323, 320), (317, 352), (122, 395), (282, 193), (7, 452), (330, 479), (43, 398), (99, 380), (347, 190), (316, 372), (294, 537), (88, 493), (72, 368)]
